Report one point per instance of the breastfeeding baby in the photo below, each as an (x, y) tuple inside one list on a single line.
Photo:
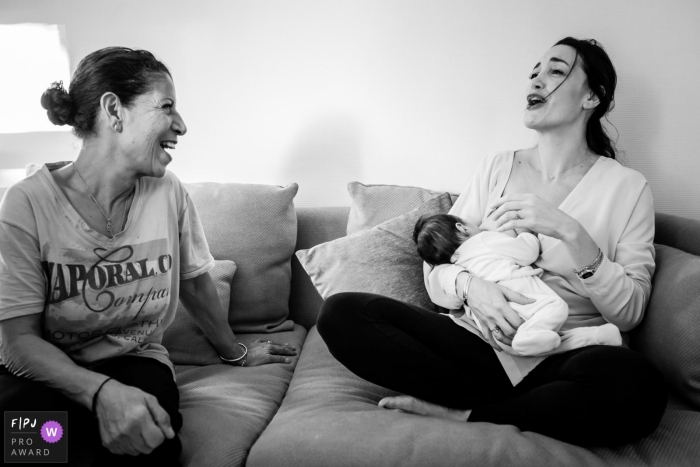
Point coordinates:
[(506, 258)]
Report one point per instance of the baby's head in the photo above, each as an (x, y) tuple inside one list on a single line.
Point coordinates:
[(439, 236)]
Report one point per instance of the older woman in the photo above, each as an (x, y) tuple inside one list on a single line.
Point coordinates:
[(93, 257), (595, 221)]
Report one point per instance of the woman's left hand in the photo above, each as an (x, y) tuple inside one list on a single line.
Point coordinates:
[(528, 211), (262, 352)]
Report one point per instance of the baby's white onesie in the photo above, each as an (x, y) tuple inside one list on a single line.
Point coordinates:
[(497, 257)]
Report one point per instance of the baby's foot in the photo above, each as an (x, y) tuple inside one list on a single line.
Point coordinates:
[(417, 406), (608, 334)]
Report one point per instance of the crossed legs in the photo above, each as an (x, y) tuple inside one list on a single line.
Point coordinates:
[(593, 396)]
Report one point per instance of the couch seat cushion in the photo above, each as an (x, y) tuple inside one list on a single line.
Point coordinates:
[(330, 417), (225, 408)]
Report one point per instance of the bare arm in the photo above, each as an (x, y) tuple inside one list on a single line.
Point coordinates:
[(201, 300), (27, 354)]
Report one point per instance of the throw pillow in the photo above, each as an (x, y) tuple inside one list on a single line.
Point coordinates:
[(374, 204), (185, 340), (668, 334), (255, 226), (382, 260)]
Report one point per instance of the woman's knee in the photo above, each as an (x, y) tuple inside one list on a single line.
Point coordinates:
[(630, 374), (18, 393), (628, 385), (642, 392), (339, 311)]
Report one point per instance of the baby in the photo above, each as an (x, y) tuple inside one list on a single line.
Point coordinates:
[(506, 258)]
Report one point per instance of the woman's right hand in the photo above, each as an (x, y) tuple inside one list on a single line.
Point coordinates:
[(488, 302), (131, 421)]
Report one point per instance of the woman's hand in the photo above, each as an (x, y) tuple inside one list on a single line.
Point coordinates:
[(262, 352), (528, 211), (131, 421), (489, 303)]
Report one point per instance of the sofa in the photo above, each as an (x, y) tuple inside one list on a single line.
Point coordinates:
[(314, 412), (271, 278)]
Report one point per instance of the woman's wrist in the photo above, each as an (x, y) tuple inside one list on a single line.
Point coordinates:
[(465, 289), (583, 250), (239, 361), (231, 351), (97, 394), (462, 285), (571, 232)]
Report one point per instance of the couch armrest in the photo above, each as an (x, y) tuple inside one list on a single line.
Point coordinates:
[(678, 232), (314, 226)]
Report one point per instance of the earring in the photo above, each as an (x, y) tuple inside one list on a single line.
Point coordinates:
[(118, 127)]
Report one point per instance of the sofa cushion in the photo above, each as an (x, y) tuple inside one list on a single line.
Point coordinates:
[(668, 334), (225, 408), (330, 417), (679, 232), (184, 340), (255, 226), (315, 225), (382, 260), (374, 204)]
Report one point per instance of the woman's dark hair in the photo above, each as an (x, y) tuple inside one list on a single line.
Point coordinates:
[(125, 72), (437, 238), (602, 80)]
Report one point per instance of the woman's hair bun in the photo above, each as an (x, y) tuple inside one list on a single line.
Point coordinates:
[(58, 104)]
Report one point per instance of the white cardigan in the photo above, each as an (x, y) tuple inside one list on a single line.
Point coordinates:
[(615, 206)]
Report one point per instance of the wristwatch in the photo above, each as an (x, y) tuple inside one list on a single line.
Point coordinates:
[(588, 271)]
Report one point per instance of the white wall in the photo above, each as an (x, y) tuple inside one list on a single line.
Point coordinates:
[(386, 91)]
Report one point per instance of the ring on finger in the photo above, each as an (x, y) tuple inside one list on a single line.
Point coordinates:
[(496, 330), (517, 216), (269, 342)]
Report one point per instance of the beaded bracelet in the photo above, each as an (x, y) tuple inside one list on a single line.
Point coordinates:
[(466, 288)]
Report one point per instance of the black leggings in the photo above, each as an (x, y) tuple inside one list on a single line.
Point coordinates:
[(84, 441), (593, 396)]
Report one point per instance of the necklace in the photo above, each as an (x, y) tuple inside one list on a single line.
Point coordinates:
[(552, 176), (109, 225)]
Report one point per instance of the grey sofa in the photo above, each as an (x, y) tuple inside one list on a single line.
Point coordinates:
[(314, 412)]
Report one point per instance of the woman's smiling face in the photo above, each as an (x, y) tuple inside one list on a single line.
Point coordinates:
[(151, 126), (546, 109)]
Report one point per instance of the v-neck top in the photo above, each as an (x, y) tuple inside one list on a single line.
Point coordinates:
[(615, 206), (100, 297)]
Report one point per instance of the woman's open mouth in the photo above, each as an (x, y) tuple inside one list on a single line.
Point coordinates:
[(167, 145), (535, 101)]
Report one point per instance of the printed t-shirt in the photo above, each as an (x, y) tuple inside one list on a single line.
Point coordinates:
[(100, 297)]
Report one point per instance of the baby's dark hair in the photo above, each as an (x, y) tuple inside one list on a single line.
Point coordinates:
[(437, 238)]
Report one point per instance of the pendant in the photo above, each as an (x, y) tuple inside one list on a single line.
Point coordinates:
[(109, 227)]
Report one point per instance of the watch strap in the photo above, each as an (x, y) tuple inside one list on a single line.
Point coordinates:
[(589, 270)]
